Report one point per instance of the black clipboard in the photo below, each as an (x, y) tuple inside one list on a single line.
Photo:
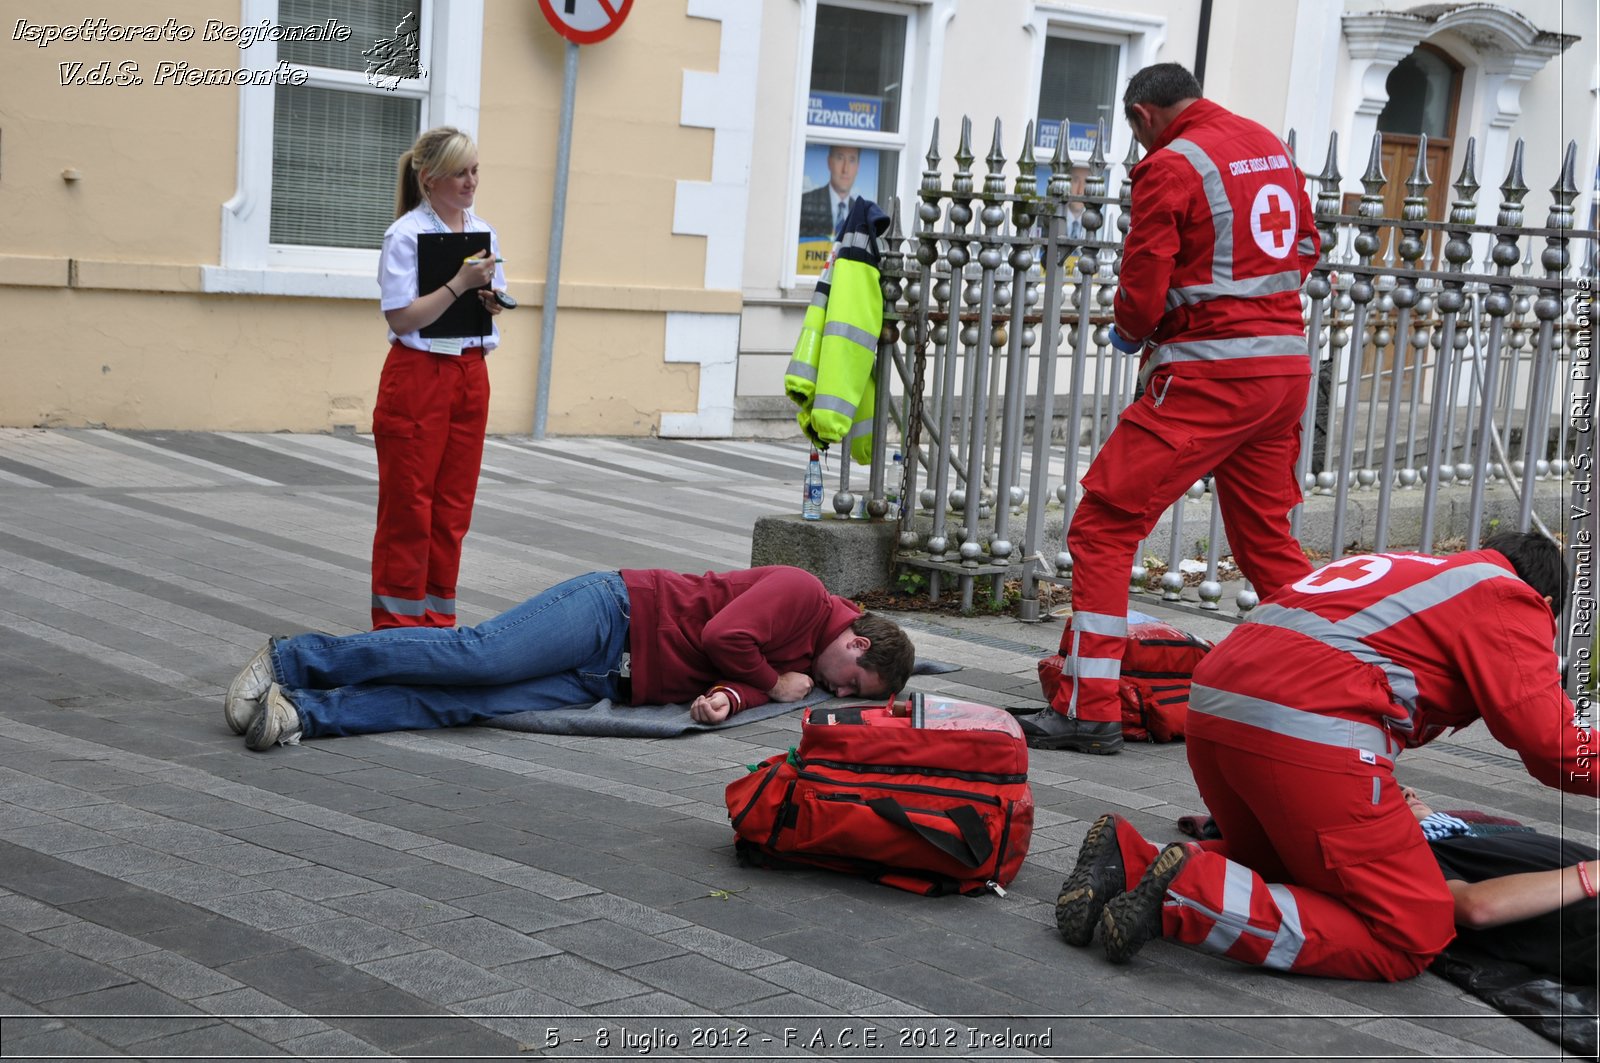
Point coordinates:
[(439, 258)]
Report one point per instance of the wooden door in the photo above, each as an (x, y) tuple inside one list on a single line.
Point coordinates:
[(1399, 155)]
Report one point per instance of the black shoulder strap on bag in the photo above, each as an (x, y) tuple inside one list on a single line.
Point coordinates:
[(972, 849)]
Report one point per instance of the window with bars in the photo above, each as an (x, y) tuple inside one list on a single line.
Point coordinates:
[(316, 170), (336, 138)]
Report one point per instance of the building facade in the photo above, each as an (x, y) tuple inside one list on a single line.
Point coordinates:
[(193, 203)]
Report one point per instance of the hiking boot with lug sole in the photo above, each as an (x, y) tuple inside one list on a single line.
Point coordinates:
[(247, 690), (1135, 917), (1096, 879), (277, 724)]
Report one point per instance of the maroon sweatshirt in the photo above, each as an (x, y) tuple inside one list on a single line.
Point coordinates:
[(734, 629)]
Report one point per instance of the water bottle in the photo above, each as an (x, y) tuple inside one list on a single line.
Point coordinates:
[(811, 500), (891, 490)]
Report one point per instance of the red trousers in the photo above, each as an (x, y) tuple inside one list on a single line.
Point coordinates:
[(428, 425), (1321, 868), (1244, 430)]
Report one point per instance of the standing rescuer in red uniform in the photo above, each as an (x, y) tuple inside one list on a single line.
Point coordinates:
[(1220, 240), (1295, 721), (433, 398)]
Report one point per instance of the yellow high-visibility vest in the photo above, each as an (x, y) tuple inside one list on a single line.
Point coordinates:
[(830, 374)]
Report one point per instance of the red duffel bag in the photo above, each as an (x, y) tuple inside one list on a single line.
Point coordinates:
[(931, 796), (1158, 666)]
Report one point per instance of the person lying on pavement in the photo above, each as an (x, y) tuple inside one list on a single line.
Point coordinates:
[(722, 641)]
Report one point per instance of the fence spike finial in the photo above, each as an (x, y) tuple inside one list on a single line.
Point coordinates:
[(1513, 188), (1027, 166), (1097, 154), (1060, 167), (1464, 211), (1289, 142), (1061, 161), (961, 185), (1414, 209), (1565, 190), (1419, 182), (1507, 251), (1374, 180), (1467, 184), (994, 182), (1330, 168), (1329, 200), (1125, 192), (1372, 185), (1555, 258), (932, 182), (1130, 160)]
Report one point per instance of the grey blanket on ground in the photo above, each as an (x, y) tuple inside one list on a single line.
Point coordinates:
[(604, 719)]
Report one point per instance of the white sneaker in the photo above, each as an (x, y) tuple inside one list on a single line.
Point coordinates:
[(247, 690), (277, 724)]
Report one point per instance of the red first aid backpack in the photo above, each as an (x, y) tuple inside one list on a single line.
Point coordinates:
[(1157, 669), (931, 797)]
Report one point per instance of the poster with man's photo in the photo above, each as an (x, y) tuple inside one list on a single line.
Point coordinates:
[(833, 176)]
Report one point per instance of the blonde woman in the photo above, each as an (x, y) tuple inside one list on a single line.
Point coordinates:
[(433, 397)]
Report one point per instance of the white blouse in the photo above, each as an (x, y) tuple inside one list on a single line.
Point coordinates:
[(397, 271)]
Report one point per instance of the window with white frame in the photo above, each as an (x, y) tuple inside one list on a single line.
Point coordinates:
[(1085, 55), (854, 121), (1078, 83), (1077, 89), (336, 137), (317, 152)]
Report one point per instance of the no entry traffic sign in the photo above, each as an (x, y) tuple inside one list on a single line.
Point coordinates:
[(585, 21)]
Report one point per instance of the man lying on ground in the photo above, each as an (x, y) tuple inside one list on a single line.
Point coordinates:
[(1295, 720), (724, 641), (1519, 895)]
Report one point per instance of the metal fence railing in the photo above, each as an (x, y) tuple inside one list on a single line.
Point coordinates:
[(1450, 356)]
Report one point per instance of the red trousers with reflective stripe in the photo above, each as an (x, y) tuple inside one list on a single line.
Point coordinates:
[(1321, 868), (428, 425), (1246, 431)]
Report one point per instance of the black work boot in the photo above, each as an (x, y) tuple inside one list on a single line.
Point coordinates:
[(1135, 917), (1048, 729), (1096, 879)]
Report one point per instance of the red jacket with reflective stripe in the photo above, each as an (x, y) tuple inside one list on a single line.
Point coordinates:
[(1221, 237), (1418, 645)]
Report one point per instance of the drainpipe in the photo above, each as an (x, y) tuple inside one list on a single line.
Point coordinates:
[(1200, 45)]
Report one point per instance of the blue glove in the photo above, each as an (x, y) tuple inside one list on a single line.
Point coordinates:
[(1122, 343)]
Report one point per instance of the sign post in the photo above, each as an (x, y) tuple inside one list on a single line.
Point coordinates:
[(580, 22)]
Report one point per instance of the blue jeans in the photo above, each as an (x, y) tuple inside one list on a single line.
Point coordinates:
[(561, 648)]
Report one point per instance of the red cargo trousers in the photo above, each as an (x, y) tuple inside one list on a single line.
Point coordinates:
[(1321, 868), (1246, 430), (428, 425)]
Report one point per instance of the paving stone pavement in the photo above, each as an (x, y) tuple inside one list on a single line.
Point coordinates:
[(166, 893)]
